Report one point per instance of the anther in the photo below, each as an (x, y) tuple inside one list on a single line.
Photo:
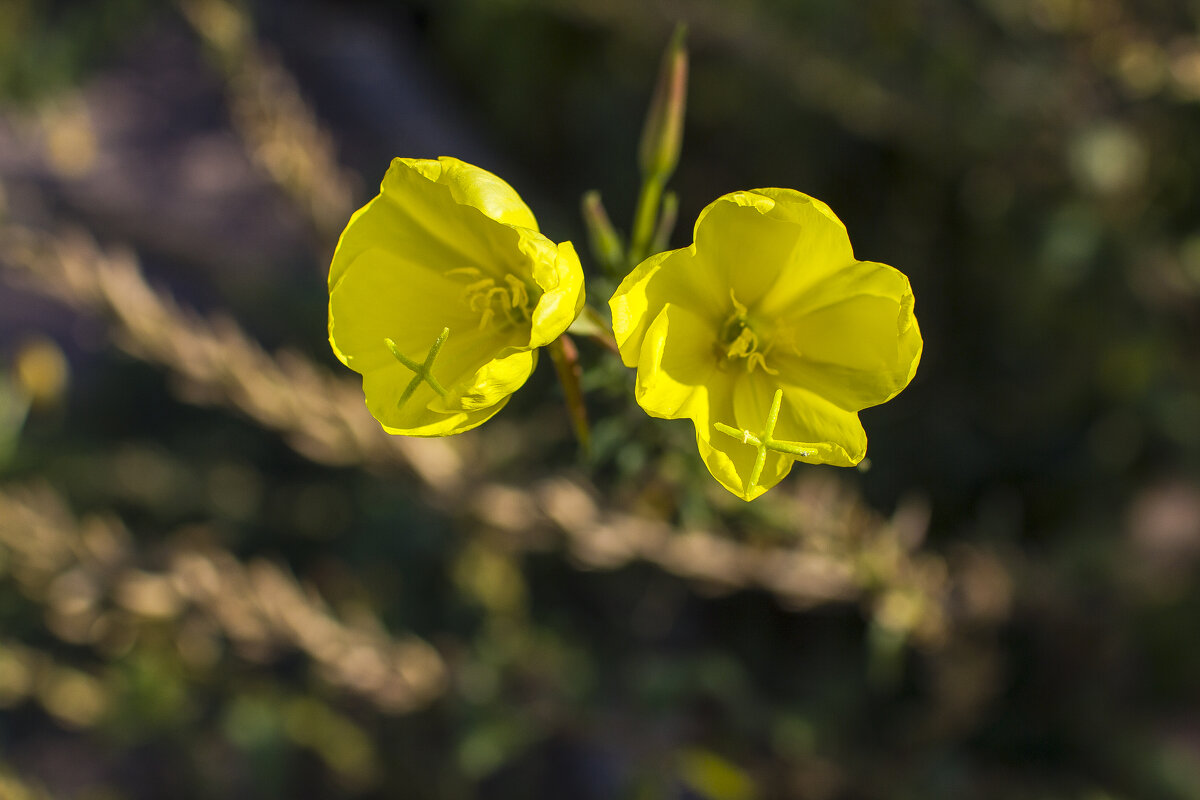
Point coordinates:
[(485, 298), (759, 360), (516, 287), (739, 310)]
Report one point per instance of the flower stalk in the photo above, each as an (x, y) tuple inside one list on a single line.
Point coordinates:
[(666, 222), (645, 219), (592, 324), (566, 363)]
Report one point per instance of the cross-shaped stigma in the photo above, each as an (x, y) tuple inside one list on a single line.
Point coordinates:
[(765, 441), (422, 373)]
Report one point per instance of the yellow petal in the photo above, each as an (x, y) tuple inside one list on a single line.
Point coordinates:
[(851, 280), (664, 277), (676, 367), (630, 306), (472, 186), (493, 381), (743, 245), (424, 220), (678, 377), (836, 435), (859, 351), (449, 424), (388, 296), (835, 334), (558, 273), (383, 388), (397, 274), (766, 242), (731, 462)]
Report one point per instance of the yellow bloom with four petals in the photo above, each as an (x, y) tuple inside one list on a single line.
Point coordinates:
[(769, 335), (440, 292)]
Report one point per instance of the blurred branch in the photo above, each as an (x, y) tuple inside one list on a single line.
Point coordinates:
[(323, 418), (86, 574), (844, 551), (74, 697), (12, 787), (281, 132)]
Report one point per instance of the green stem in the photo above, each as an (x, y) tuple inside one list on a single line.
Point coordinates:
[(566, 364), (591, 323), (666, 222), (645, 219)]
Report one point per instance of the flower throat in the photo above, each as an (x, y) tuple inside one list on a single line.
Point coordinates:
[(738, 341), (503, 305)]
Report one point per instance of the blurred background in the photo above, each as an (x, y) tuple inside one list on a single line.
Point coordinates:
[(218, 578)]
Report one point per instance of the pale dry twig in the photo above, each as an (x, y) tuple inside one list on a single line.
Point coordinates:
[(324, 418), (96, 591), (281, 132)]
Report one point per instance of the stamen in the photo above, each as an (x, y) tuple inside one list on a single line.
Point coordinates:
[(739, 310), (759, 360), (485, 298), (745, 344), (476, 292), (520, 295)]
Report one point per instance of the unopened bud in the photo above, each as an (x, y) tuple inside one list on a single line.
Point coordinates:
[(662, 135), (606, 244)]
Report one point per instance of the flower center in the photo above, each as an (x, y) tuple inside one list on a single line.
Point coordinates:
[(739, 344), (500, 305)]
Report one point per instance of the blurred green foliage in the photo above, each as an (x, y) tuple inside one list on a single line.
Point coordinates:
[(48, 46)]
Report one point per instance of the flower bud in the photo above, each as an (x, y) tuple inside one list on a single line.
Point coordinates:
[(606, 244), (662, 134)]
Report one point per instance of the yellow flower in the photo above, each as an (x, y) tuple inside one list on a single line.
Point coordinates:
[(440, 292), (769, 335)]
